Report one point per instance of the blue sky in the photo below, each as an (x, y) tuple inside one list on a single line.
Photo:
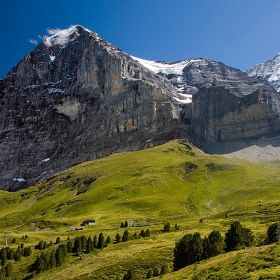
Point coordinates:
[(239, 33)]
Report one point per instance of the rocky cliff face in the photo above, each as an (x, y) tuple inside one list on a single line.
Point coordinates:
[(221, 120), (75, 98)]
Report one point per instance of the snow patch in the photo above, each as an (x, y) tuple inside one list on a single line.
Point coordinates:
[(45, 160), (19, 180), (52, 58), (167, 68)]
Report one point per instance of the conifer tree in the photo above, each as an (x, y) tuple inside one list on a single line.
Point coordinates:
[(216, 242), (147, 233), (8, 269), (238, 236), (57, 241), (3, 256), (52, 260), (125, 236), (84, 242), (118, 238), (95, 241), (89, 245), (100, 244), (77, 245), (273, 233), (69, 246), (108, 240)]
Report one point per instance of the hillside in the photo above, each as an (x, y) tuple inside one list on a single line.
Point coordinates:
[(174, 183)]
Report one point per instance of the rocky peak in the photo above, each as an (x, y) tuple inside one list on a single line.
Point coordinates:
[(76, 97), (269, 70)]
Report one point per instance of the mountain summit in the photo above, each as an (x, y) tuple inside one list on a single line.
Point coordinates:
[(269, 70), (77, 97)]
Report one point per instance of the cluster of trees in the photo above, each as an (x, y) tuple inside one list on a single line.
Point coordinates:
[(125, 224), (7, 254), (192, 248), (5, 270), (167, 227), (14, 254), (127, 236), (49, 260)]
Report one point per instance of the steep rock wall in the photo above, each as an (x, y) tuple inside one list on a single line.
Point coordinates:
[(218, 116), (78, 99)]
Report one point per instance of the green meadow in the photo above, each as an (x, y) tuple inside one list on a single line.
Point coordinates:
[(173, 183)]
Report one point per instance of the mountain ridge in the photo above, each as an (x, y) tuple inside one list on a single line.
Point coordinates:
[(77, 97)]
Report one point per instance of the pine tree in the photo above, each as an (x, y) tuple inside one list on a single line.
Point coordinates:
[(52, 260), (95, 241), (273, 233), (125, 236), (238, 236), (118, 238), (57, 240), (17, 255), (108, 240), (89, 245), (125, 224), (147, 233), (8, 269), (181, 250), (59, 255), (216, 242), (3, 256), (69, 246), (84, 242), (100, 244), (77, 245), (143, 234), (166, 227)]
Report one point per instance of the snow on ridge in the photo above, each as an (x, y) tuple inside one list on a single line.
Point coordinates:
[(167, 68), (163, 67), (269, 70)]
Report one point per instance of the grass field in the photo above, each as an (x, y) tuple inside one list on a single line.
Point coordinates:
[(173, 183)]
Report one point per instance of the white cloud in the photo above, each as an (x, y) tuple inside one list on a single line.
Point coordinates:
[(34, 42), (59, 36)]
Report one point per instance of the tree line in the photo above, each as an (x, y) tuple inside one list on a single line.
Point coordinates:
[(191, 248)]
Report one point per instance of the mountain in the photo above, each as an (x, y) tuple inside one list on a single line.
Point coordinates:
[(77, 97), (269, 70), (224, 108)]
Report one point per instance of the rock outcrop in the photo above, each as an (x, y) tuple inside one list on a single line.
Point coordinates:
[(75, 98)]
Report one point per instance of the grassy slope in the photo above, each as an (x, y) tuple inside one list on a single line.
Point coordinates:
[(173, 183)]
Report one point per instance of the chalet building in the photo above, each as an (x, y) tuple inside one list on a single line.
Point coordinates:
[(88, 222)]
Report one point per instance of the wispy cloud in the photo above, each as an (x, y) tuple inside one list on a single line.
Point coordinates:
[(59, 36), (34, 42)]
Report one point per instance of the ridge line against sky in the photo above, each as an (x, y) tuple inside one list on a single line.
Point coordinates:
[(239, 33)]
